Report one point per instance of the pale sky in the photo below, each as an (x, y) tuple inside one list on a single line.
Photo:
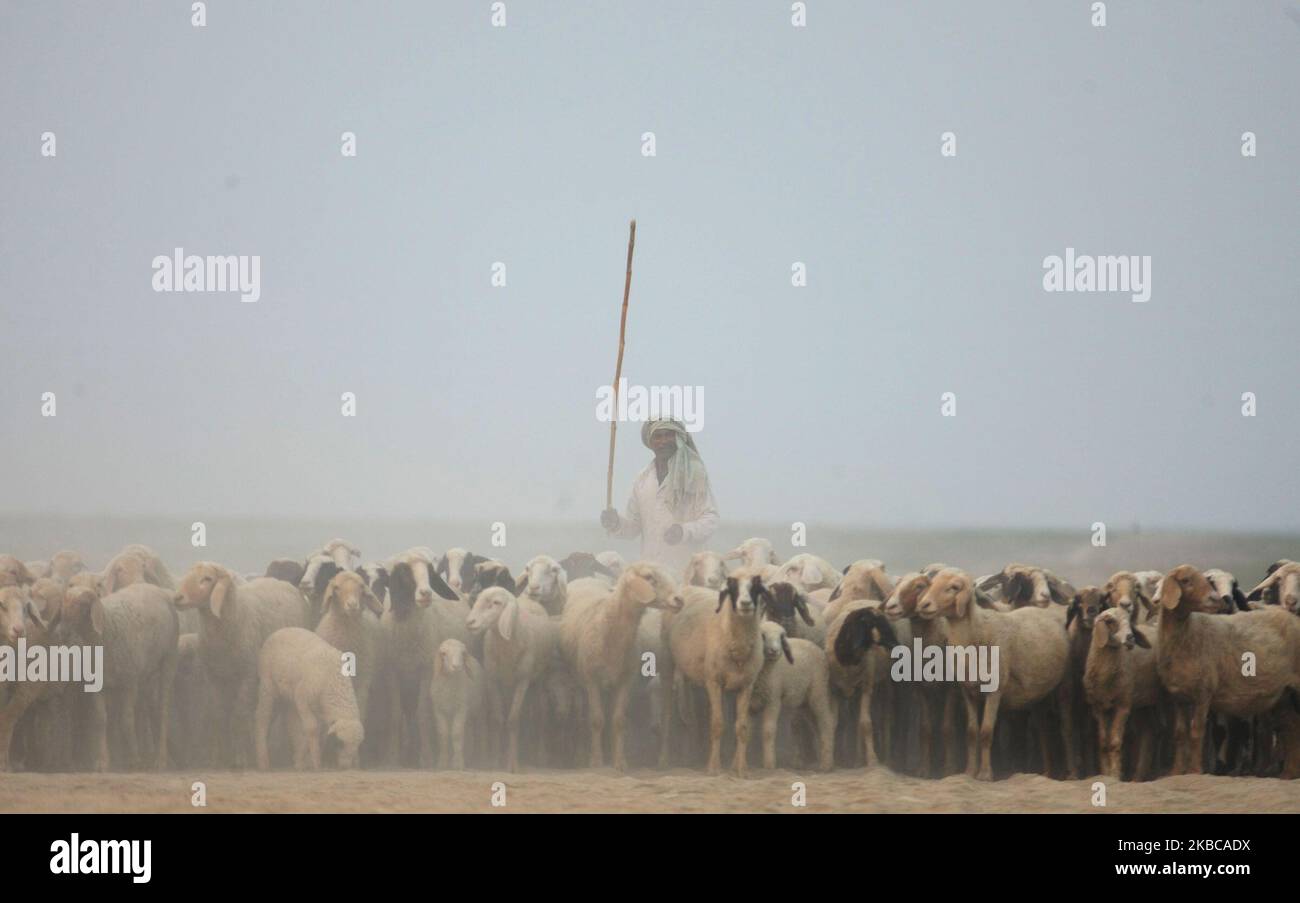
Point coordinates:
[(774, 144)]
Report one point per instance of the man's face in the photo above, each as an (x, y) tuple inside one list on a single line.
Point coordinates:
[(663, 443)]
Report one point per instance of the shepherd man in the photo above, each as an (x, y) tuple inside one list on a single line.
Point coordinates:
[(671, 507)]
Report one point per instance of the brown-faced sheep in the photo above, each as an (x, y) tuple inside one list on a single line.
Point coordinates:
[(350, 623), (1242, 665), (598, 632), (1119, 678), (457, 693), (1033, 657)]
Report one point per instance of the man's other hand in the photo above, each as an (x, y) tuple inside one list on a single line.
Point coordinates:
[(673, 535), (609, 520)]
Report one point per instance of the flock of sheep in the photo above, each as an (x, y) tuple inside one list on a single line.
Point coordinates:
[(448, 661)]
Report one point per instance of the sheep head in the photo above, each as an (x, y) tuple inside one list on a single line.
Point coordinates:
[(14, 573), (1228, 589), (864, 579), (489, 608), (82, 614), (706, 569), (585, 564), (649, 585), (753, 553), (949, 595), (543, 578), (1281, 587), (413, 581), (347, 592), (207, 585), (1125, 591), (346, 735), (451, 657), (1086, 605), (776, 643), (14, 602), (1185, 590), (317, 573), (1113, 628), (746, 593), (786, 602), (903, 600), (862, 629)]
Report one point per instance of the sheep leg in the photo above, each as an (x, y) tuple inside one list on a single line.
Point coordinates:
[(99, 730), (927, 733), (1196, 737), (458, 741), (1181, 740), (262, 723), (985, 754), (1042, 716), (440, 723), (1065, 706), (951, 761), (741, 761), (393, 748), (512, 725), (866, 739), (1115, 743), (619, 723), (596, 724), (166, 680), (972, 732), (310, 733), (824, 715), (423, 722), (242, 721), (771, 716), (127, 726), (714, 689), (666, 689)]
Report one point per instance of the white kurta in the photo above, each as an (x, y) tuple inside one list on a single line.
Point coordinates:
[(649, 516)]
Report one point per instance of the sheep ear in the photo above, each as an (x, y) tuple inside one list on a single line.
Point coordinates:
[(1239, 598), (810, 574), (440, 586), (983, 599), (1170, 593), (801, 605), (601, 569), (1258, 592), (34, 612), (785, 647), (1140, 638), (372, 602), (771, 557), (217, 600), (1076, 604), (506, 623), (835, 593), (845, 572), (1059, 590), (729, 590), (97, 617), (882, 585), (991, 581), (964, 601), (521, 584)]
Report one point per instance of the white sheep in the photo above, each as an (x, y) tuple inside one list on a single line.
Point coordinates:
[(1119, 677), (706, 569), (793, 676), (235, 618), (754, 554), (518, 646), (598, 632), (808, 573), (544, 581), (298, 667), (457, 693), (138, 630)]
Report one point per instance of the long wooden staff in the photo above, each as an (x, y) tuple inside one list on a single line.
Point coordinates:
[(618, 370)]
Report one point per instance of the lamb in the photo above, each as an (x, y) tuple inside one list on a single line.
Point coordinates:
[(544, 581), (793, 675), (457, 695), (705, 569), (516, 654), (716, 642), (1131, 592), (235, 618), (1080, 617), (859, 638), (138, 630), (598, 632), (754, 554), (799, 616), (808, 573), (1200, 662), (298, 667), (1119, 677), (1032, 661), (350, 623), (414, 626)]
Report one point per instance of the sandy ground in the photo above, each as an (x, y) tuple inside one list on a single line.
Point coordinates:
[(681, 790)]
